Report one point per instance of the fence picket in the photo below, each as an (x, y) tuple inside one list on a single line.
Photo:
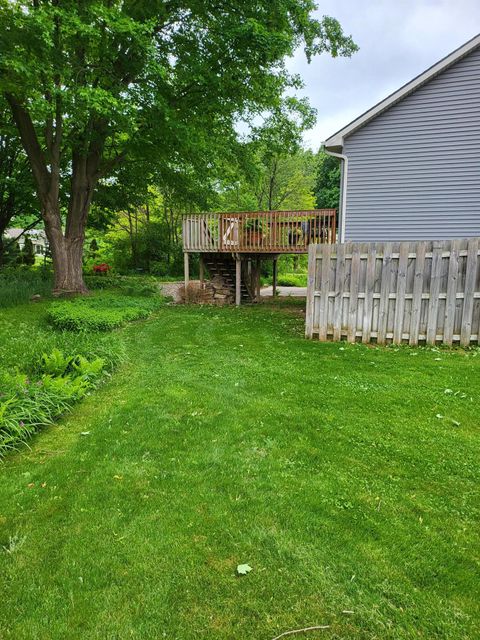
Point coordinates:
[(339, 287), (432, 317), (417, 293), (353, 302), (325, 252), (401, 289), (450, 302), (470, 277), (384, 293), (312, 267), (369, 287)]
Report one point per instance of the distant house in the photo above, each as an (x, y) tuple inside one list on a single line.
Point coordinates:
[(411, 163), (37, 236)]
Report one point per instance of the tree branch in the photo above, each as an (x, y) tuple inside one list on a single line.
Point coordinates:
[(31, 145)]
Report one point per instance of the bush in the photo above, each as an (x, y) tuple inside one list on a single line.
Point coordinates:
[(292, 280), (100, 313)]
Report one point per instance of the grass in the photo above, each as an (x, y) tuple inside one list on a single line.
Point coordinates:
[(18, 284), (226, 438)]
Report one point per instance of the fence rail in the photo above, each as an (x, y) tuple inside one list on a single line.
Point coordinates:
[(395, 292), (258, 232)]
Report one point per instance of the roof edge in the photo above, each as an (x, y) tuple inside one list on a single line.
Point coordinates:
[(336, 140)]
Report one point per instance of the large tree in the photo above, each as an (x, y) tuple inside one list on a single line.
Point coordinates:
[(91, 81)]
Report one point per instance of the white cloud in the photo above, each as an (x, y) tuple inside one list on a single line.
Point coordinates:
[(398, 39)]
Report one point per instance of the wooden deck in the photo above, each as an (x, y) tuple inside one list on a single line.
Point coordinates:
[(259, 232)]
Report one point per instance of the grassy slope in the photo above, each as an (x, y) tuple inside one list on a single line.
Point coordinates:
[(229, 439)]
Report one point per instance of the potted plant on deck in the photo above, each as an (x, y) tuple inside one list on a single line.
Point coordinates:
[(253, 229)]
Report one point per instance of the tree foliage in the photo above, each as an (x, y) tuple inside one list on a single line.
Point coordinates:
[(93, 84), (17, 196), (327, 181)]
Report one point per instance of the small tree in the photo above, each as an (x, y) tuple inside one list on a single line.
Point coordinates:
[(93, 249), (12, 255), (28, 253)]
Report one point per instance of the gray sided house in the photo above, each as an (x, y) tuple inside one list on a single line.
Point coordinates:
[(37, 236), (411, 164)]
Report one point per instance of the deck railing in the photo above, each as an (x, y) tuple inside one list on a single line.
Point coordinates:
[(259, 231)]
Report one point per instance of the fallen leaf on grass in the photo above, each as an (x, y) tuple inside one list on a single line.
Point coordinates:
[(243, 569)]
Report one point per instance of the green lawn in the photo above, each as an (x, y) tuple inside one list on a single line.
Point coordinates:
[(226, 438)]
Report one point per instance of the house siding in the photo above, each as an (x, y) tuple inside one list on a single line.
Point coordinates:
[(414, 170)]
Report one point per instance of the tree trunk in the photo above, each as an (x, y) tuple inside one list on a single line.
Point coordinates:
[(67, 254), (66, 248)]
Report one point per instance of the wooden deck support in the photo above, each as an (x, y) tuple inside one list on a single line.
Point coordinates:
[(238, 281), (186, 268), (202, 272), (274, 279), (257, 279)]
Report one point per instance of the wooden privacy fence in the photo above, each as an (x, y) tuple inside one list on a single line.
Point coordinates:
[(411, 292)]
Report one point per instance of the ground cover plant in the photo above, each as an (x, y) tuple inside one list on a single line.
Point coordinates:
[(345, 476), (100, 313)]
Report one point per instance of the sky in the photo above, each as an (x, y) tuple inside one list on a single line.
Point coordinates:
[(398, 39)]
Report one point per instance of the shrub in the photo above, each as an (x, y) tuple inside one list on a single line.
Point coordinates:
[(28, 253), (100, 313), (292, 280)]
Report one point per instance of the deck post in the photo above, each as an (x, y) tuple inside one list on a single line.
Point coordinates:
[(186, 267), (202, 272), (238, 281), (274, 279), (257, 280)]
